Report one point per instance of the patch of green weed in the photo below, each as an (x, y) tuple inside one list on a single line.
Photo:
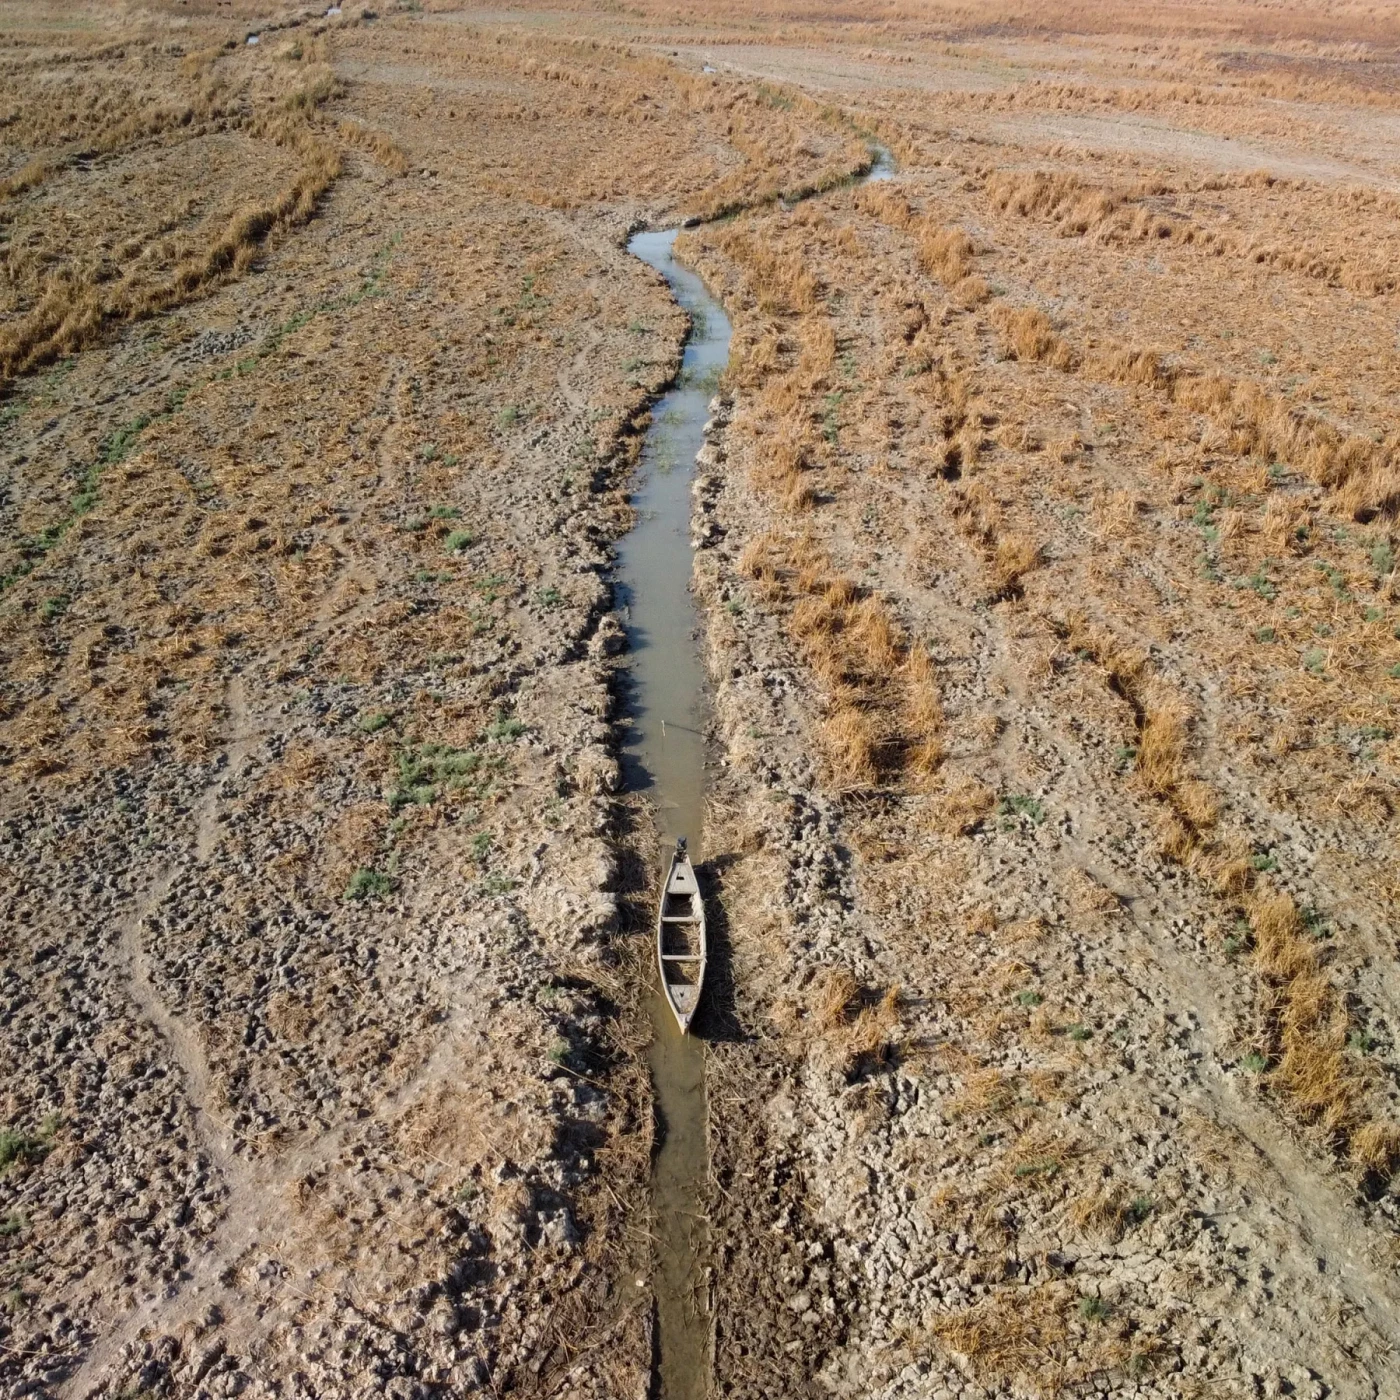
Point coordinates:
[(368, 884)]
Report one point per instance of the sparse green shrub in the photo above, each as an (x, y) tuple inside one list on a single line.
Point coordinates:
[(1335, 578), (368, 884), (372, 724), (1140, 1208), (1314, 921), (459, 540), (1016, 805), (19, 1146), (505, 727), (426, 769), (117, 447), (831, 417)]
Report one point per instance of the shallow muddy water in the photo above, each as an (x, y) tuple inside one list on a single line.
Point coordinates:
[(882, 166), (664, 756)]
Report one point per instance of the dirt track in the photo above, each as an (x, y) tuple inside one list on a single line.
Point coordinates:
[(1050, 613)]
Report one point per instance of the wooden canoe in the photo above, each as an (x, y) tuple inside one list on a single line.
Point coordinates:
[(680, 937)]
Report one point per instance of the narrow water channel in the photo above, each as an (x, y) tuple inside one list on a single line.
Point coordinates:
[(664, 756)]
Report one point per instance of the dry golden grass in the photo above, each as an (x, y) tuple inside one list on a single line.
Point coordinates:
[(854, 647), (1018, 1338), (1162, 738), (945, 253), (966, 804), (73, 306), (1015, 557), (1309, 1024), (875, 635), (1028, 336), (852, 744), (1118, 215), (923, 712), (887, 202), (868, 1040), (1009, 556), (834, 999), (1375, 1147), (378, 144)]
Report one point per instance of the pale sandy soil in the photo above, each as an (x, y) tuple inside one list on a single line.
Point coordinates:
[(1050, 615)]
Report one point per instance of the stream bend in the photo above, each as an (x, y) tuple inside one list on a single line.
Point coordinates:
[(663, 757)]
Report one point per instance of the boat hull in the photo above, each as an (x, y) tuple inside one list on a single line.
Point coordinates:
[(681, 946)]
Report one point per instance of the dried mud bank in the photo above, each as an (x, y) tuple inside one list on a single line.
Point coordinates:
[(1020, 1091), (326, 1076), (949, 1146), (319, 969), (1051, 609)]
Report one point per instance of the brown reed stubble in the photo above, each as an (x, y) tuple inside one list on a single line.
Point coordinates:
[(1252, 423), (76, 304)]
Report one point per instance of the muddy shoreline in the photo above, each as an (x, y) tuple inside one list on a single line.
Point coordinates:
[(664, 716), (1045, 571)]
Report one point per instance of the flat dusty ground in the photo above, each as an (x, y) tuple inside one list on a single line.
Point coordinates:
[(1050, 610)]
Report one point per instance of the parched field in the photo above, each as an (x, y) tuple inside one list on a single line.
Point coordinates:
[(1049, 604)]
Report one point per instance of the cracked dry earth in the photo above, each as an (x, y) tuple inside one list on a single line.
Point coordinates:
[(322, 1072), (1047, 541)]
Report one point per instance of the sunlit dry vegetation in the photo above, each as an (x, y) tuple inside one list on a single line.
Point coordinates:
[(70, 277), (1050, 603), (1100, 433)]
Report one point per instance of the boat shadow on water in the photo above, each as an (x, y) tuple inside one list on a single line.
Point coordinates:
[(717, 1019)]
